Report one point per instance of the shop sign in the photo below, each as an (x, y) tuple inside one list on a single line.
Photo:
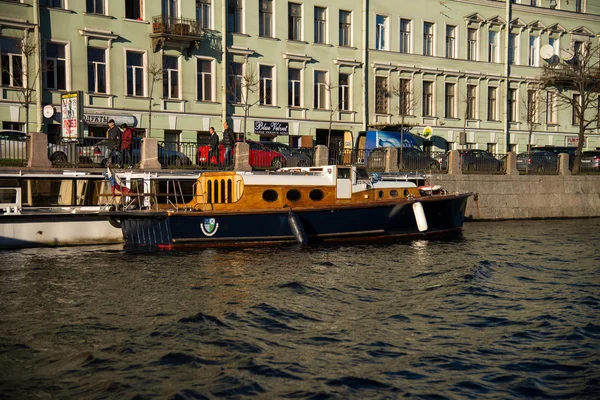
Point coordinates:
[(102, 119), (271, 127), (573, 141), (71, 109)]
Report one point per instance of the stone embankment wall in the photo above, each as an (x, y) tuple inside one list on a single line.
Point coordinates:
[(526, 197)]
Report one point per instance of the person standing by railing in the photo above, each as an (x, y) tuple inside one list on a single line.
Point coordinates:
[(114, 134), (228, 142), (214, 146), (126, 144)]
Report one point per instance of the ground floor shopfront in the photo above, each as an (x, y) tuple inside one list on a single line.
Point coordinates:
[(172, 127)]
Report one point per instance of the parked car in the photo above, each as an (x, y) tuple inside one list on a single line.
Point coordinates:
[(87, 150), (590, 161), (166, 157), (558, 150), (13, 145), (293, 157), (537, 162), (479, 160), (259, 157)]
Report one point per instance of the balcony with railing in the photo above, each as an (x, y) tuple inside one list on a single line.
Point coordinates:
[(179, 32)]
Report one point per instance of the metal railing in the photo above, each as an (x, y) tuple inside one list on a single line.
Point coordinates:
[(177, 154), (13, 151), (162, 24)]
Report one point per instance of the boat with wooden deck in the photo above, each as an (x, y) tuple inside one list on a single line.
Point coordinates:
[(309, 204)]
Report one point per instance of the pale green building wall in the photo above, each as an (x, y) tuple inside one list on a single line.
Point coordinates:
[(189, 115)]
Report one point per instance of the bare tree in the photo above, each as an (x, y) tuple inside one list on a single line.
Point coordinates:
[(577, 86), (23, 73), (534, 111), (333, 108), (407, 103), (241, 86), (155, 74)]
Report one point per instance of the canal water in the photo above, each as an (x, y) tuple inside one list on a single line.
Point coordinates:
[(510, 310)]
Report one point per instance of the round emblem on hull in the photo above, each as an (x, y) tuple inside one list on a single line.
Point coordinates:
[(209, 226)]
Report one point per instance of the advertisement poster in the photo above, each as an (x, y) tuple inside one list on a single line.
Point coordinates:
[(389, 139), (70, 114), (271, 127)]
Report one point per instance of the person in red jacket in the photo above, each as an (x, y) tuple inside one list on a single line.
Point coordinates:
[(126, 145)]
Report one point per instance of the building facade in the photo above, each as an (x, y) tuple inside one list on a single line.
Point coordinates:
[(300, 72)]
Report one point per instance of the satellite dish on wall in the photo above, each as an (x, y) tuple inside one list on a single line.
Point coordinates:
[(546, 52), (568, 56)]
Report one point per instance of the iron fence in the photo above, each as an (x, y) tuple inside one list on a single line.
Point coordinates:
[(13, 150), (177, 154)]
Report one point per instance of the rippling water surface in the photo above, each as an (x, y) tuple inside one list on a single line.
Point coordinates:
[(510, 310)]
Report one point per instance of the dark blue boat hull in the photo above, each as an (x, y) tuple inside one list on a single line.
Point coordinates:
[(443, 215)]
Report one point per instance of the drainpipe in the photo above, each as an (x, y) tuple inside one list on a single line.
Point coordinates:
[(38, 66), (507, 75), (224, 60), (365, 75)]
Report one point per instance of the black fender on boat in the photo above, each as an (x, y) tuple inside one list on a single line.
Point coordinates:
[(297, 229)]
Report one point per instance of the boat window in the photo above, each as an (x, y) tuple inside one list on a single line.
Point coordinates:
[(393, 193), (270, 195), (316, 195), (343, 173), (293, 195), (361, 173), (405, 192), (380, 194)]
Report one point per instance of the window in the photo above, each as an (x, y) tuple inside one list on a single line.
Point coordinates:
[(450, 41), (203, 10), (492, 104), (472, 44), (135, 73), (234, 83), (381, 32), (554, 42), (551, 108), (320, 89), (344, 92), (576, 105), (450, 108), (133, 9), (428, 39), (169, 9), (493, 47), (94, 6), (512, 105), (513, 48), (266, 85), (235, 13), (578, 48), (204, 80), (11, 62), (294, 21), (531, 106), (578, 6), (381, 95), (96, 70), (56, 67), (320, 25), (533, 51), (405, 36), (427, 98), (345, 28), (52, 3), (471, 102), (13, 126), (265, 18), (404, 97), (170, 77), (294, 87)]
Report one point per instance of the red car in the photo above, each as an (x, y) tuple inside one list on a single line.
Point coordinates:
[(261, 157)]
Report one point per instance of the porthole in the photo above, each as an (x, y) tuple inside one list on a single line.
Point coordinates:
[(405, 192), (293, 195), (316, 195), (380, 194), (393, 193), (270, 195)]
